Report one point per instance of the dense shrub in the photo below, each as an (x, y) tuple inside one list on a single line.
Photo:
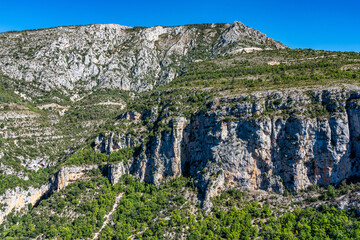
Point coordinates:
[(88, 156)]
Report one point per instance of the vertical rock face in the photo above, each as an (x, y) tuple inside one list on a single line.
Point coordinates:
[(268, 141), (115, 171), (68, 175), (17, 199), (112, 142), (353, 110), (163, 158), (239, 143)]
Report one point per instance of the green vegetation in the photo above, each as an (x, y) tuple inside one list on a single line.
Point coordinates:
[(150, 212), (251, 71), (88, 156), (89, 199), (35, 178), (198, 84)]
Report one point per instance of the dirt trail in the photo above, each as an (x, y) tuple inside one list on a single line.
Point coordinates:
[(109, 216)]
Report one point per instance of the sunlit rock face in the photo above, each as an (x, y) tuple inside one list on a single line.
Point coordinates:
[(17, 199), (270, 143), (115, 56)]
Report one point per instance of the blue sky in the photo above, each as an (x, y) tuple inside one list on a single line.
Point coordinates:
[(317, 24)]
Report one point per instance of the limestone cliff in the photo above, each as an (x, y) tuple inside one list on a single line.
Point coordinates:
[(116, 170), (70, 174), (268, 140), (18, 198), (112, 142)]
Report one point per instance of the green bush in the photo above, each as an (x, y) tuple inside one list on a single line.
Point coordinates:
[(88, 156)]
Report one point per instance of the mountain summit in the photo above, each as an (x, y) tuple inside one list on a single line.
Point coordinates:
[(115, 56)]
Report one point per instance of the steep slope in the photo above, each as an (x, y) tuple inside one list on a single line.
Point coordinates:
[(74, 59)]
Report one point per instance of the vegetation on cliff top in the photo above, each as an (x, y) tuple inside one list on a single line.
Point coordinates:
[(88, 156)]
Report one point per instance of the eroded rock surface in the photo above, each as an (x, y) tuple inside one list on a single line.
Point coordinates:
[(116, 170), (271, 142), (19, 198), (268, 141), (70, 174), (115, 56)]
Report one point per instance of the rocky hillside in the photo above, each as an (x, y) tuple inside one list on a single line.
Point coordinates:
[(207, 131), (114, 56)]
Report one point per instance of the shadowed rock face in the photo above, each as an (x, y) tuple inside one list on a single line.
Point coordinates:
[(271, 152), (114, 56), (116, 170)]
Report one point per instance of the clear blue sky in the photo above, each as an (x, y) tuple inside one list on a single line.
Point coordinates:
[(317, 24)]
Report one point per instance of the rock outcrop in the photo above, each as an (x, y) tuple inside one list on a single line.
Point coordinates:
[(116, 170), (268, 141), (70, 174), (17, 199), (112, 142), (163, 157)]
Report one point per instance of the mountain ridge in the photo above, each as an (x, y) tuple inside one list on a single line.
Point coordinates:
[(77, 57)]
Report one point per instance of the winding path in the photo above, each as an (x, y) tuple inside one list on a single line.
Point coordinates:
[(109, 215)]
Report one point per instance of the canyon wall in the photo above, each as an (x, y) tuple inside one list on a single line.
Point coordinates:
[(269, 141)]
